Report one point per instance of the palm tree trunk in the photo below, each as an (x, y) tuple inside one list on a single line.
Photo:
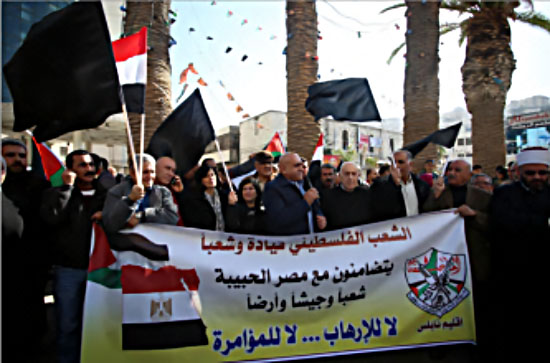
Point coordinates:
[(153, 15), (486, 77), (421, 76), (301, 66)]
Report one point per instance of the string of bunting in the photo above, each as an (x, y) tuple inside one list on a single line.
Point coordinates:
[(183, 80), (229, 48)]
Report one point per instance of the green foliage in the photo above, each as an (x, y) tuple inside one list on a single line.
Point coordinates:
[(370, 162), (472, 7), (349, 155)]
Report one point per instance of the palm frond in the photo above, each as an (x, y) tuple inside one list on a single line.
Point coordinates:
[(394, 53), (448, 27), (396, 6), (534, 19), (460, 6)]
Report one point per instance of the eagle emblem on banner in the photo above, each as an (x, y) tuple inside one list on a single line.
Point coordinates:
[(437, 281), (161, 310)]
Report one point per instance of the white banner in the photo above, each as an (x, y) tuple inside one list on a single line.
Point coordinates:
[(388, 285)]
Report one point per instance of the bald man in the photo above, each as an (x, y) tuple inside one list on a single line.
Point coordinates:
[(289, 208), (348, 204)]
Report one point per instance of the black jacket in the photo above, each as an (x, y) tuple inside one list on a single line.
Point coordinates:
[(245, 220), (197, 211), (69, 214), (346, 209), (286, 209), (388, 202)]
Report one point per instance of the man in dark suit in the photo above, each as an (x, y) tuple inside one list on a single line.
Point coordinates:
[(289, 208), (402, 193)]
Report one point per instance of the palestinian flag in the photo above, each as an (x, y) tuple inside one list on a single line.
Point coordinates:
[(102, 267), (103, 301), (161, 308), (46, 163), (131, 63), (275, 146)]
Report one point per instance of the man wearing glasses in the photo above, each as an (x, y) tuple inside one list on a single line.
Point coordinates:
[(264, 168), (520, 218), (291, 209)]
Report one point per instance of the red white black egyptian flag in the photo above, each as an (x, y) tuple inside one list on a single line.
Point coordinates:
[(161, 308), (131, 63)]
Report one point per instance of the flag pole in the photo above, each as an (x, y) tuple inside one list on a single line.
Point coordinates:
[(223, 163), (130, 142), (141, 146)]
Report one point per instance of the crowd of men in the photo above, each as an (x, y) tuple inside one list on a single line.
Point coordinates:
[(46, 226)]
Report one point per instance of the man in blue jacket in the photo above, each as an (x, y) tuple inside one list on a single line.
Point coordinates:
[(289, 208)]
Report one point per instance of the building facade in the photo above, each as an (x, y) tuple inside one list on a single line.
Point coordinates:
[(363, 143)]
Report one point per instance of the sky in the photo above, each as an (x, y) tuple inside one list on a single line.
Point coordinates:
[(256, 29)]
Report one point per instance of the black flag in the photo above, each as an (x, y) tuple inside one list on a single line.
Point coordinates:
[(347, 99), (63, 77), (445, 137), (184, 134)]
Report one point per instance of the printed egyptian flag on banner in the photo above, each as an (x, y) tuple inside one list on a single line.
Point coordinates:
[(46, 163), (131, 63), (161, 308), (275, 146)]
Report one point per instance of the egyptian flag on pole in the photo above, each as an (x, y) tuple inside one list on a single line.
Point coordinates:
[(161, 308), (318, 154), (314, 173), (131, 63)]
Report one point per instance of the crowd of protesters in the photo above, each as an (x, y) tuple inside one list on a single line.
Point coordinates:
[(52, 226)]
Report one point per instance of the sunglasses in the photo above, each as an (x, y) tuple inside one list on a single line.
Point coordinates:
[(12, 154), (533, 172)]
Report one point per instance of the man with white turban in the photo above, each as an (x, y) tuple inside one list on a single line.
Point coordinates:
[(520, 218)]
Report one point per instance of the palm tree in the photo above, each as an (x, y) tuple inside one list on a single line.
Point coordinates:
[(421, 76), (301, 65), (487, 69), (154, 15)]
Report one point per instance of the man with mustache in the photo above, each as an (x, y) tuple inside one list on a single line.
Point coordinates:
[(471, 196), (23, 288), (70, 210), (520, 221)]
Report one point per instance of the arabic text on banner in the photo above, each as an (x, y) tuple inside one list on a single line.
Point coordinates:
[(388, 285)]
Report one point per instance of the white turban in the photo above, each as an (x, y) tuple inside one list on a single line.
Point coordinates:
[(534, 156)]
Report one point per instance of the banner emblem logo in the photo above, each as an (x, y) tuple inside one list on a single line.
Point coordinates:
[(161, 310), (436, 280)]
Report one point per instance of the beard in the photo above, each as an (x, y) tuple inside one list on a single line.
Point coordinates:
[(534, 185)]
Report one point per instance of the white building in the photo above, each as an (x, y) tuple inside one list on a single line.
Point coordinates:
[(358, 141)]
